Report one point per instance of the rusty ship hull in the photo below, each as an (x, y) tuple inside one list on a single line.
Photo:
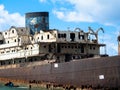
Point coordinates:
[(103, 72)]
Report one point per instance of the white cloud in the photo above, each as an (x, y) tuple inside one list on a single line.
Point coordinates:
[(10, 19), (101, 11), (111, 45), (72, 16), (42, 1)]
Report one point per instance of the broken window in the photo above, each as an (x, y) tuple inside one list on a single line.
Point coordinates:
[(62, 35), (47, 36), (12, 31), (41, 37)]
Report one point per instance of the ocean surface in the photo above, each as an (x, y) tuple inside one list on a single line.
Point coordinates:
[(2, 87)]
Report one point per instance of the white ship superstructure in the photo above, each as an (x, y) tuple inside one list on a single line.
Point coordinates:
[(18, 45)]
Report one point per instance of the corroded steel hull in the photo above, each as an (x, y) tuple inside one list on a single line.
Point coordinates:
[(96, 72)]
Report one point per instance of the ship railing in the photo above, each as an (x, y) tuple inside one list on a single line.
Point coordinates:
[(8, 45)]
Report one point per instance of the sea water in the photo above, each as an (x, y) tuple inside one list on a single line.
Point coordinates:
[(2, 87)]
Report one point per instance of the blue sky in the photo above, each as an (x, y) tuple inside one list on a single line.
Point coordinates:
[(68, 13)]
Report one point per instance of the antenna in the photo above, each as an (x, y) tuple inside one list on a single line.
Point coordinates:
[(105, 50), (103, 37)]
